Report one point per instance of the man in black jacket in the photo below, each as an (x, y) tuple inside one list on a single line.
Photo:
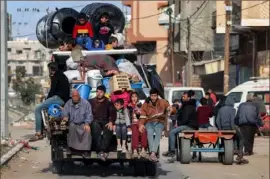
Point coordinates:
[(187, 118), (59, 94), (248, 119)]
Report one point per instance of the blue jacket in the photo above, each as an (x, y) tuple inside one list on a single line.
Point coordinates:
[(226, 115), (248, 114)]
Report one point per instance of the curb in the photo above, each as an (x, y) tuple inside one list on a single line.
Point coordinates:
[(7, 157)]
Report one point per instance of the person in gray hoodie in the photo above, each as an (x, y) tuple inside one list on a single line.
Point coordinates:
[(248, 119), (226, 121)]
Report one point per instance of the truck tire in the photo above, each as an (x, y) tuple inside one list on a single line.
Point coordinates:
[(228, 152), (151, 169), (139, 169), (55, 27), (57, 167), (185, 156), (94, 11)]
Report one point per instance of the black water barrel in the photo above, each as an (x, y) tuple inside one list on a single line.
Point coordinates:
[(56, 26), (95, 10)]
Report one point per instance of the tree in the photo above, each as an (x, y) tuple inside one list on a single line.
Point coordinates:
[(25, 86)]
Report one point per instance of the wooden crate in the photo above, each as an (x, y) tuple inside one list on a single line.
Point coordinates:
[(118, 82)]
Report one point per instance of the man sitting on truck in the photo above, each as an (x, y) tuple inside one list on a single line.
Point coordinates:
[(59, 94), (154, 118), (104, 117), (78, 113)]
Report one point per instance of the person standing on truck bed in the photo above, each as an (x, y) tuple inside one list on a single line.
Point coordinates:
[(104, 118), (104, 29), (78, 113), (249, 120), (83, 32), (153, 118), (59, 94)]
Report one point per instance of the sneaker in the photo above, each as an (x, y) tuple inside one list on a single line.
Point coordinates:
[(119, 148), (240, 161), (124, 150), (168, 154)]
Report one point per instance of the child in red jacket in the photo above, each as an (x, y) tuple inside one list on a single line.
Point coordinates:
[(83, 32)]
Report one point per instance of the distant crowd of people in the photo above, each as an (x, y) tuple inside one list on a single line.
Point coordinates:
[(193, 114)]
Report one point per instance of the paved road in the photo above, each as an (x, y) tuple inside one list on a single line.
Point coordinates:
[(37, 165)]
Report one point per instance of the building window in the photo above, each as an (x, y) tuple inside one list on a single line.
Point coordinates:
[(20, 67), (19, 51), (37, 71), (9, 49)]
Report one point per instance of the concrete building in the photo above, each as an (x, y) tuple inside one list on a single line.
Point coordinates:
[(30, 54), (149, 36)]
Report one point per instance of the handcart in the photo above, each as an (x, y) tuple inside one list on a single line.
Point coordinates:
[(194, 141)]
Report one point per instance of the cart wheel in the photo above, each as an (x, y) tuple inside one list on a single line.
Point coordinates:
[(57, 167), (228, 152), (220, 157), (139, 169), (151, 169), (185, 155)]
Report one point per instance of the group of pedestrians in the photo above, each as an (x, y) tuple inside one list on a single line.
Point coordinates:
[(192, 115)]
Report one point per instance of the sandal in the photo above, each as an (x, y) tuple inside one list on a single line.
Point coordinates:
[(153, 158), (36, 137)]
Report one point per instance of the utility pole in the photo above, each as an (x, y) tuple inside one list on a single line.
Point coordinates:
[(171, 44), (4, 74), (228, 24), (189, 61)]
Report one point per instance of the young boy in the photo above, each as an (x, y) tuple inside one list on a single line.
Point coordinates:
[(83, 32), (204, 112), (122, 124), (104, 29)]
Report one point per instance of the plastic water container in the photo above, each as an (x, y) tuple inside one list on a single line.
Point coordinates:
[(136, 85), (84, 90), (73, 75), (54, 110), (106, 83), (93, 78)]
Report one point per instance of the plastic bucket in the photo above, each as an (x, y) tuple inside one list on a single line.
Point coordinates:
[(106, 83), (136, 85), (84, 90)]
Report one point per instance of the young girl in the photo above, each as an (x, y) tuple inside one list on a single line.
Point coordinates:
[(134, 108), (122, 124), (124, 94)]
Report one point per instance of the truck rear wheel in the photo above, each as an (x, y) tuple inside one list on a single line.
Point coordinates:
[(228, 152), (185, 155), (57, 167), (150, 169), (139, 169)]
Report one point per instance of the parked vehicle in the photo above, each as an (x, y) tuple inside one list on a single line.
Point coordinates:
[(172, 93), (255, 86)]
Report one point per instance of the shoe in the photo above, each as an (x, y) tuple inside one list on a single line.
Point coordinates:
[(143, 154), (68, 151), (135, 155), (119, 148), (240, 161), (124, 150), (101, 156), (153, 158), (85, 155), (168, 154)]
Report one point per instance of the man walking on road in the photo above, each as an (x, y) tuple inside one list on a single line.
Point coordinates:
[(225, 121), (248, 119)]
